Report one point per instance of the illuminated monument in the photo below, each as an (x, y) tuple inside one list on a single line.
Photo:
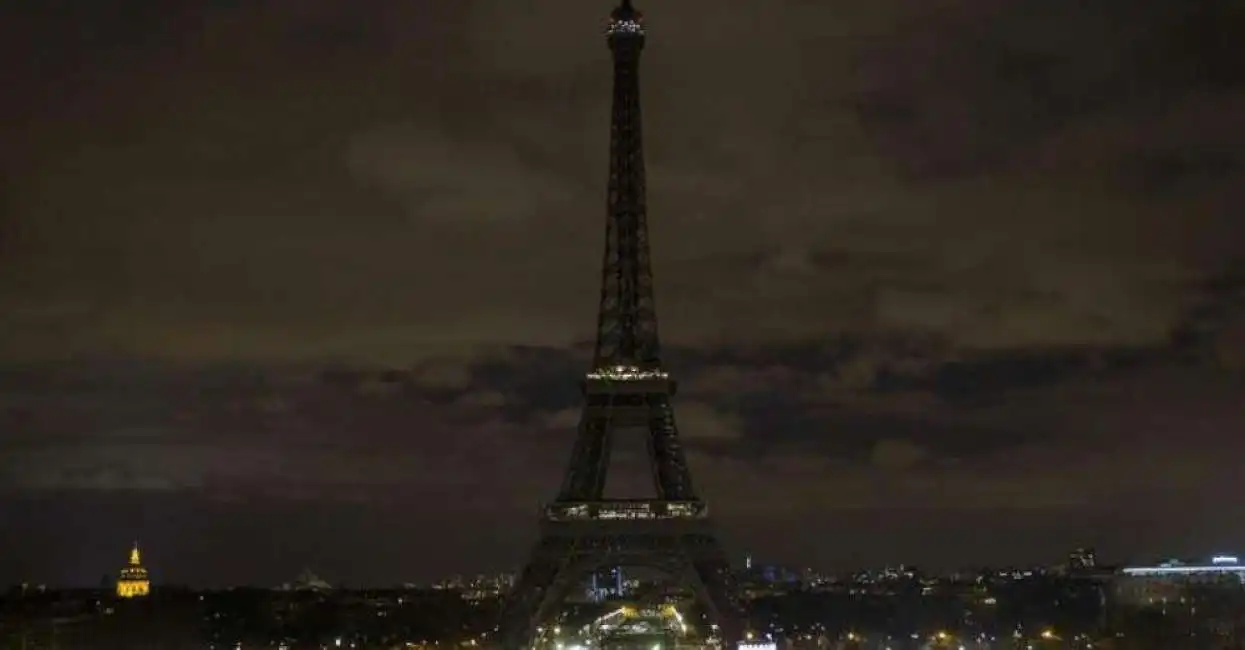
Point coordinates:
[(627, 392), (133, 580)]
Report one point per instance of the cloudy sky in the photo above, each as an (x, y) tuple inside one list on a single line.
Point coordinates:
[(291, 283)]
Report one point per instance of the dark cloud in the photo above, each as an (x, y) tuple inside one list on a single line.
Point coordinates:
[(280, 261)]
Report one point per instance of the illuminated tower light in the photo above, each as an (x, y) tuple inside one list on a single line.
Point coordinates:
[(626, 20), (133, 581)]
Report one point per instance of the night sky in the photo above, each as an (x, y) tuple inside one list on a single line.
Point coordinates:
[(309, 283)]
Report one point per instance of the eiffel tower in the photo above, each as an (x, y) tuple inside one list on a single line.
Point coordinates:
[(626, 392)]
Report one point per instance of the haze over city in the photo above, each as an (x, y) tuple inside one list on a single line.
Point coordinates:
[(310, 284)]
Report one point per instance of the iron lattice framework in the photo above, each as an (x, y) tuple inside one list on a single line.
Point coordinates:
[(627, 389)]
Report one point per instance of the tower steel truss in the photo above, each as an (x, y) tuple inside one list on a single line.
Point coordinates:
[(627, 390)]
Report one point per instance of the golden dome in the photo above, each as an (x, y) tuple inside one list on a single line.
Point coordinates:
[(133, 581)]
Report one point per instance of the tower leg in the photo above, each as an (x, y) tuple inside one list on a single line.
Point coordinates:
[(716, 590), (558, 563), (590, 460), (671, 476), (546, 580)]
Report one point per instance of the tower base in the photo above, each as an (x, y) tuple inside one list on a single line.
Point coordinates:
[(683, 548)]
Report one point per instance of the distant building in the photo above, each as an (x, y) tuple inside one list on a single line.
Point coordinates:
[(133, 582), (307, 581), (1082, 559), (1169, 581), (606, 584)]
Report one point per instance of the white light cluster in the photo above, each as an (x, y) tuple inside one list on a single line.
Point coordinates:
[(1182, 570), (625, 27), (683, 509), (626, 511), (626, 373)]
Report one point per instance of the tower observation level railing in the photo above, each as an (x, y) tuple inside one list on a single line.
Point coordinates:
[(625, 26), (625, 21), (630, 509), (627, 373), (629, 380)]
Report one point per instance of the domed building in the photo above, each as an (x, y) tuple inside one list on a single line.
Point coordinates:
[(133, 580)]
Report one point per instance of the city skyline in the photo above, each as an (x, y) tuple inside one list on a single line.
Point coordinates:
[(312, 287), (1080, 561)]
